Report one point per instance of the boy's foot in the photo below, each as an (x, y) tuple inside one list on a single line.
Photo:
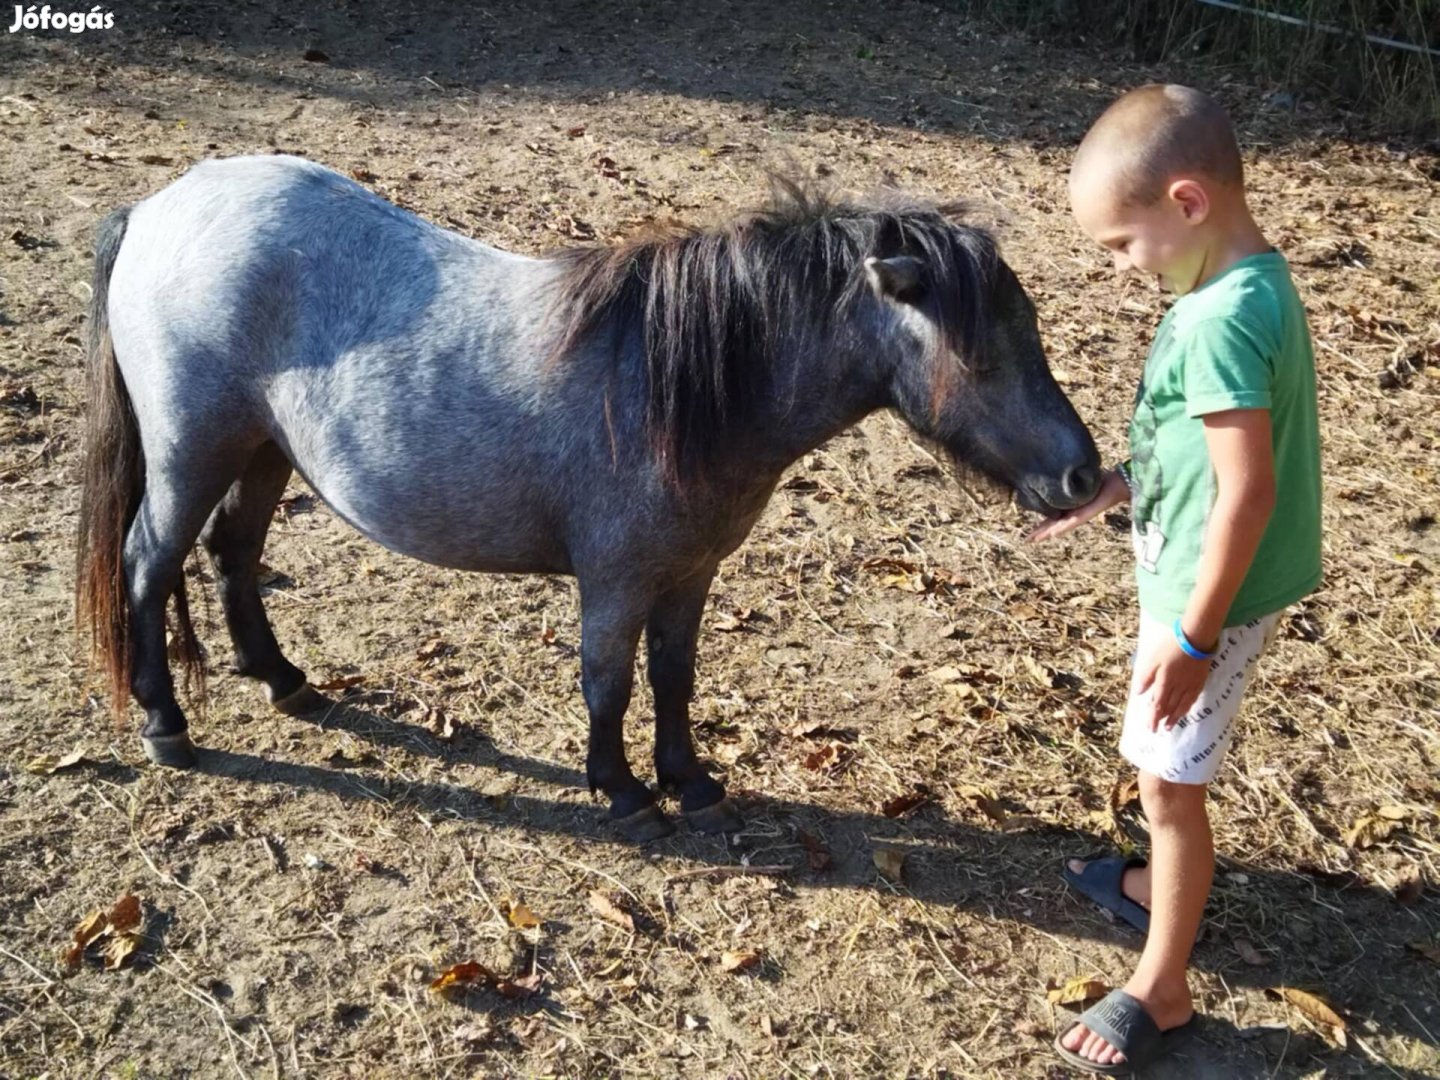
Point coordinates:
[(1168, 1008), (1120, 885), (1135, 884)]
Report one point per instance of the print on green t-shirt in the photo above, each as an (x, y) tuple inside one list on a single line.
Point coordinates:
[(1238, 342)]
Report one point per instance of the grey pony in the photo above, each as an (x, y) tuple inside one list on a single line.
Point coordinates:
[(617, 414)]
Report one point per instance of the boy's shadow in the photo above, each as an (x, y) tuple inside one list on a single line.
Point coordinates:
[(1303, 927)]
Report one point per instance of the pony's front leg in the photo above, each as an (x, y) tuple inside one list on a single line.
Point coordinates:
[(671, 634), (610, 631)]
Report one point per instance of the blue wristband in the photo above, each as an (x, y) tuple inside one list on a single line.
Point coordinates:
[(1185, 646)]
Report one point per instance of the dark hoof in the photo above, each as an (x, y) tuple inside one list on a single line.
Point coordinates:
[(646, 824), (302, 701), (172, 751), (720, 817)]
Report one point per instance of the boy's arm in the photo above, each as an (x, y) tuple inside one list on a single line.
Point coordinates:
[(1242, 456)]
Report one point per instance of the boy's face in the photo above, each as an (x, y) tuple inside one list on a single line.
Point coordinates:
[(1162, 239)]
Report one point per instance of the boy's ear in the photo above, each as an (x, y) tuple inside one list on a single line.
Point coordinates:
[(1192, 198), (898, 278)]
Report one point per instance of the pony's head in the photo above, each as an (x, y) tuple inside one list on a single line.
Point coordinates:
[(962, 361)]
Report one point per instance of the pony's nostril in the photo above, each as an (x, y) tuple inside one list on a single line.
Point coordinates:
[(1081, 483)]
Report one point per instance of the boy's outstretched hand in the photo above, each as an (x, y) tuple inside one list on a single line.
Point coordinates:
[(1113, 492)]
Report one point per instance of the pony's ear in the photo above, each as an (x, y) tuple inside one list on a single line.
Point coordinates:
[(898, 278)]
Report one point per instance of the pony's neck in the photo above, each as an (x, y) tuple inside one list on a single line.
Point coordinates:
[(817, 387)]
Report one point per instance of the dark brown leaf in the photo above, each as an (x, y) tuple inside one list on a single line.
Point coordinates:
[(125, 915), (903, 804), (817, 855), (1410, 887)]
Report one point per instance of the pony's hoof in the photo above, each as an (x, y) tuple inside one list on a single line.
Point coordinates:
[(720, 817), (646, 824), (302, 701), (172, 751)]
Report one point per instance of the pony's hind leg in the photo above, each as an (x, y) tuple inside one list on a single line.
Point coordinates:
[(235, 538), (671, 634), (167, 522)]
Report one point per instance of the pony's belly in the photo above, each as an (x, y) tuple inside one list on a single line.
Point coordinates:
[(456, 530)]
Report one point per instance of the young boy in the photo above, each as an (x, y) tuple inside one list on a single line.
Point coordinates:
[(1224, 490)]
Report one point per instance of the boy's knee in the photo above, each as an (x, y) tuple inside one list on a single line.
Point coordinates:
[(1164, 800)]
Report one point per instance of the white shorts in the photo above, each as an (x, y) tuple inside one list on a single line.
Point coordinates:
[(1191, 751)]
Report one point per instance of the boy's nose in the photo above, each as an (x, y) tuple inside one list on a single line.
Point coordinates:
[(1122, 262)]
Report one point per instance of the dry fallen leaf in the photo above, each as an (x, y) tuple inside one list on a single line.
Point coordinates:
[(1410, 887), (1317, 1011), (1124, 793), (438, 723), (119, 949), (830, 756), (608, 910), (1039, 674), (890, 862), (903, 804), (1370, 830), (478, 1030), (946, 673), (461, 975), (523, 987), (120, 921), (341, 682), (431, 649), (1428, 949), (520, 916), (90, 928), (47, 764), (738, 961), (1073, 991), (1249, 953), (730, 622), (987, 803)]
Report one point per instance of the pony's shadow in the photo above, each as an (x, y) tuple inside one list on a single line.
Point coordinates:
[(999, 875), (467, 747)]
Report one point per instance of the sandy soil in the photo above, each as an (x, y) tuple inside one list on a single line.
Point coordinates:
[(302, 889)]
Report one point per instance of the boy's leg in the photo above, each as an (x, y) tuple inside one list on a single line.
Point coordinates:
[(1182, 864), (1176, 883)]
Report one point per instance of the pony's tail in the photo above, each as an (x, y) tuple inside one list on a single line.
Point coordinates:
[(113, 478), (112, 484)]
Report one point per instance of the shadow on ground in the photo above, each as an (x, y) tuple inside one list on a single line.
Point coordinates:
[(999, 875)]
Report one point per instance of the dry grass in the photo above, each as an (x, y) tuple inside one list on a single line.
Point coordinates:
[(869, 573)]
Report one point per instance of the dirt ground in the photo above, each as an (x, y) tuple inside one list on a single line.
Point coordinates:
[(885, 633)]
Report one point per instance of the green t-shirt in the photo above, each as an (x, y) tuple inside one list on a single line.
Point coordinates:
[(1238, 342)]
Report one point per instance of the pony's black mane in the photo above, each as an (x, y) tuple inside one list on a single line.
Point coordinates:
[(714, 304)]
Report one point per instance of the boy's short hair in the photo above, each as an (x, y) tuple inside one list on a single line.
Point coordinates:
[(1155, 133)]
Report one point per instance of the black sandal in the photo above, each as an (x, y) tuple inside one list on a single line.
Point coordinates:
[(1122, 1022), (1102, 881)]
